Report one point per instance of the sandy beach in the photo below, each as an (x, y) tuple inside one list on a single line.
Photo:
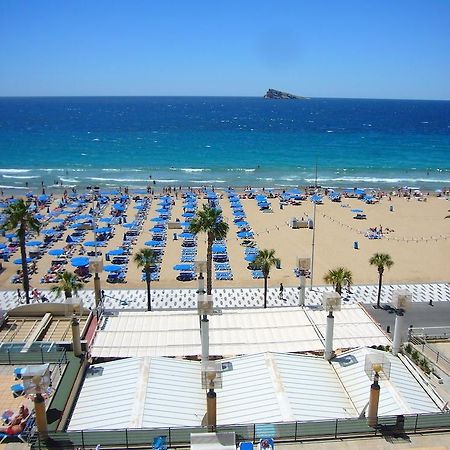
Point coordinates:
[(419, 244)]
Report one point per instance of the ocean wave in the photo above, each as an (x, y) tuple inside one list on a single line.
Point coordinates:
[(51, 170), (119, 180), (266, 179), (378, 180), (11, 187), (69, 180), (164, 180), (111, 170), (15, 170), (241, 170), (208, 181), (21, 177), (189, 169)]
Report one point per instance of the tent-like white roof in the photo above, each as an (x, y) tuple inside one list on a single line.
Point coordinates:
[(235, 332), (260, 388)]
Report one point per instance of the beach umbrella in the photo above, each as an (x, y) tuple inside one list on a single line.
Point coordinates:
[(76, 225), (18, 261), (79, 261), (106, 219), (250, 257), (83, 217), (218, 248), (2, 245), (117, 251), (241, 223), (10, 235), (57, 220), (153, 243), (245, 234), (238, 214), (158, 219), (112, 268), (139, 207), (49, 232), (356, 210), (39, 216), (188, 214), (118, 207), (56, 252), (187, 235), (184, 267), (103, 230), (34, 243), (94, 244), (43, 198), (156, 229), (185, 224), (65, 213), (162, 210)]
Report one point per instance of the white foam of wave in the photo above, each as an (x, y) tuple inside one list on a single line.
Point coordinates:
[(111, 170), (241, 170), (119, 180), (15, 170), (378, 180), (165, 180), (208, 181), (11, 187), (51, 170), (265, 179), (69, 180), (21, 177), (189, 169)]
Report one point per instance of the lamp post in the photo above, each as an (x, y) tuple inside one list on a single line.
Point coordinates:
[(200, 267), (401, 300), (331, 301), (303, 265), (96, 263)]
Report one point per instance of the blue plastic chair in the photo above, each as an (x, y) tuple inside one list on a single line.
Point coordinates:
[(160, 443), (246, 446)]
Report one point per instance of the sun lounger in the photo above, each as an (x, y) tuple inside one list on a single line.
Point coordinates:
[(257, 274), (246, 446), (17, 390), (23, 435), (224, 276)]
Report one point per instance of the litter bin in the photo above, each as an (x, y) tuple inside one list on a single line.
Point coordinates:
[(391, 208), (278, 264), (356, 245), (175, 237)]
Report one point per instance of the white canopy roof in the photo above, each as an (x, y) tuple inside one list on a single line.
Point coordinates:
[(235, 332)]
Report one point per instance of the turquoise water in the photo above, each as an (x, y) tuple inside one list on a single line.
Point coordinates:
[(223, 141)]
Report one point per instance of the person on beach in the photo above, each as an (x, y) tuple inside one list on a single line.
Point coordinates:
[(281, 291)]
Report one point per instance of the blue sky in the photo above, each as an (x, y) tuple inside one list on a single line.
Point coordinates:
[(345, 48)]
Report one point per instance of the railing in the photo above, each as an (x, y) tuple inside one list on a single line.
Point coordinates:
[(427, 350), (431, 332), (281, 432), (38, 353)]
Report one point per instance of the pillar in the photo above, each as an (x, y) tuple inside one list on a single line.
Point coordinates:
[(76, 342), (398, 331), (372, 414), (97, 289), (205, 338), (201, 284), (329, 337), (302, 290), (41, 415), (211, 409)]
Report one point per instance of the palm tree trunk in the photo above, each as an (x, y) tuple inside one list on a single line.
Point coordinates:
[(265, 291), (209, 265), (23, 254), (380, 281), (148, 278), (338, 288)]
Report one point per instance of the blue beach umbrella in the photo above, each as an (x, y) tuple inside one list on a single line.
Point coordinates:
[(316, 198), (56, 252), (129, 225), (106, 219), (118, 207), (10, 235), (103, 230), (357, 210), (241, 223), (18, 261), (184, 267), (49, 232), (153, 243), (250, 257), (187, 235), (185, 224), (76, 225), (162, 210), (245, 234), (156, 229), (33, 243), (94, 243), (217, 248), (158, 219), (2, 245), (188, 214), (83, 217), (43, 198), (139, 207), (112, 268), (57, 220), (116, 252), (79, 261)]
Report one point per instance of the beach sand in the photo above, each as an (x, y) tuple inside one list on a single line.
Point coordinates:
[(419, 246)]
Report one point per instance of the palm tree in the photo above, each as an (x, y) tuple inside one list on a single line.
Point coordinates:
[(381, 260), (339, 277), (145, 258), (69, 284), (20, 219), (209, 220), (265, 260)]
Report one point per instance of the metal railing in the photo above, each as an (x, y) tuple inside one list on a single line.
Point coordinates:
[(430, 353), (38, 353), (280, 432)]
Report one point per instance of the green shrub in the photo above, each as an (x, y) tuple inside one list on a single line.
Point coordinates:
[(408, 348)]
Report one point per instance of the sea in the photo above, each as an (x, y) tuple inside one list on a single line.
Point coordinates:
[(140, 142)]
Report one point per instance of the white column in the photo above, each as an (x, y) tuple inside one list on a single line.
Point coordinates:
[(205, 338), (76, 342), (201, 284), (302, 290), (329, 337), (398, 331)]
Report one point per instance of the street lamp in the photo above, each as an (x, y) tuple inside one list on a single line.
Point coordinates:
[(331, 301), (401, 300), (303, 265), (200, 267)]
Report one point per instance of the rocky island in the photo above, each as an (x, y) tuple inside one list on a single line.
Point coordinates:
[(279, 95)]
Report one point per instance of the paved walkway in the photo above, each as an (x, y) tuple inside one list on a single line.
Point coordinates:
[(243, 297)]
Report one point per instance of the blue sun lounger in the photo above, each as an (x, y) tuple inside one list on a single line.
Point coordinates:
[(246, 446)]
